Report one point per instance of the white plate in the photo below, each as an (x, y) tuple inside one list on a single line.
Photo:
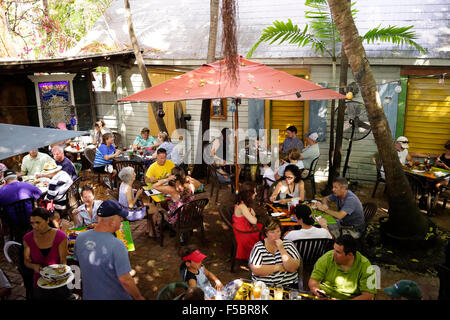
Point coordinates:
[(47, 284), (418, 171), (277, 214), (51, 272), (440, 173)]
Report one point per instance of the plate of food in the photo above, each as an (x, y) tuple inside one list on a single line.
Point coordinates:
[(277, 214), (53, 284), (418, 171), (56, 272), (440, 174)]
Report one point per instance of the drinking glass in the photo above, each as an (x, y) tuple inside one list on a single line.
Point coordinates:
[(257, 287), (293, 294), (278, 292), (265, 293)]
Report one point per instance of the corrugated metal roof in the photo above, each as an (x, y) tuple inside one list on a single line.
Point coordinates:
[(179, 30)]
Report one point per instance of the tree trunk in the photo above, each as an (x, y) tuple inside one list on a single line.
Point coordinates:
[(142, 68), (200, 169), (336, 169), (405, 220)]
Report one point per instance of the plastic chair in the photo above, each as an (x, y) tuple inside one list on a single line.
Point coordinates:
[(14, 253), (189, 217), (310, 251), (226, 214), (377, 161), (172, 291), (310, 176), (16, 217)]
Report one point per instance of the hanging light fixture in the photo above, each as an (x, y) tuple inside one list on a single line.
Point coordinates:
[(398, 87), (161, 112), (442, 79)]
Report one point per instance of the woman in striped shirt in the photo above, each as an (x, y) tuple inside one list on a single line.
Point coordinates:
[(104, 155), (274, 261)]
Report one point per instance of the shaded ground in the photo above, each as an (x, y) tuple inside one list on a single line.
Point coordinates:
[(156, 266)]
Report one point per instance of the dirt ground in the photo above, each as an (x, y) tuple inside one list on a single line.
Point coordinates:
[(156, 266)]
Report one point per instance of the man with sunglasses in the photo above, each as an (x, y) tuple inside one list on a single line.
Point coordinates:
[(401, 145)]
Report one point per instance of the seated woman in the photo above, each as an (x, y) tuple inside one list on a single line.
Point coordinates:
[(194, 184), (44, 246), (104, 155), (180, 193), (100, 129), (244, 219), (291, 187), (145, 140), (127, 198), (219, 154), (172, 151), (86, 214), (274, 261), (294, 158)]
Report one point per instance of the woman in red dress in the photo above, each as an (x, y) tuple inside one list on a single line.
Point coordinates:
[(244, 219)]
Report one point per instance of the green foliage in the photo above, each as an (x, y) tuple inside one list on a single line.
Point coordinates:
[(47, 32), (322, 33)]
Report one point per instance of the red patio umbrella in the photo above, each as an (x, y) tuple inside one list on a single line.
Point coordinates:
[(255, 81)]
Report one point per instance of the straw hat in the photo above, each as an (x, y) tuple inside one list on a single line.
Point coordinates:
[(50, 167)]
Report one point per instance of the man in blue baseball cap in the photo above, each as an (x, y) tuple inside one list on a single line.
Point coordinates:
[(407, 289), (105, 266)]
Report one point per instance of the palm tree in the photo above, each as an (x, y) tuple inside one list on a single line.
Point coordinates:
[(322, 36), (405, 221)]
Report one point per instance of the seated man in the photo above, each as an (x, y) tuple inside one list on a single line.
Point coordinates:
[(306, 221), (401, 145), (160, 169), (343, 273), (350, 211), (311, 152), (34, 163), (291, 141), (65, 163)]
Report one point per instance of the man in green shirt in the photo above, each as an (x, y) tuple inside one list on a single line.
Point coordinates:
[(34, 163), (343, 273)]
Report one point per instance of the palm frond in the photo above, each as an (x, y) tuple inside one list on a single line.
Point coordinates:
[(395, 35), (287, 31)]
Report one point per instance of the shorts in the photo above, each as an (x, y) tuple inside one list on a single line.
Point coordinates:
[(104, 169)]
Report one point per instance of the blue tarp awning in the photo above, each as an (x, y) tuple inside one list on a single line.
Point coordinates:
[(15, 139)]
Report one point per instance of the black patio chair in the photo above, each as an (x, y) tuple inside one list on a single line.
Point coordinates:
[(189, 217), (226, 214), (139, 169), (310, 176), (370, 209), (14, 253), (73, 197), (310, 251), (377, 161), (215, 182), (16, 217)]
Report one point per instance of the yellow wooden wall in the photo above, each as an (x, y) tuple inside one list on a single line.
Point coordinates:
[(427, 117), (157, 76), (283, 113)]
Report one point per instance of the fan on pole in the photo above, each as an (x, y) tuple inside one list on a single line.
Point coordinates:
[(356, 126)]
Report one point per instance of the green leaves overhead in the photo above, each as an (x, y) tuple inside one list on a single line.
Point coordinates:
[(395, 35)]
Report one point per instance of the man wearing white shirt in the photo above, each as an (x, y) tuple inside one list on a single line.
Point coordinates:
[(312, 151), (401, 145), (306, 221)]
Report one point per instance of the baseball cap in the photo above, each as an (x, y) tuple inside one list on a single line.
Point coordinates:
[(403, 142), (8, 173), (304, 212), (110, 208), (404, 288), (313, 136), (195, 256)]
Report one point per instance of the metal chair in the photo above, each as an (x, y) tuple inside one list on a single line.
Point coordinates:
[(16, 217), (89, 153), (73, 197), (189, 217), (14, 253), (139, 169), (370, 209), (377, 161), (215, 182), (310, 176), (172, 291), (226, 214), (310, 251)]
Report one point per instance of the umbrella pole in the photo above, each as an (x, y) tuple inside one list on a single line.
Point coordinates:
[(236, 126)]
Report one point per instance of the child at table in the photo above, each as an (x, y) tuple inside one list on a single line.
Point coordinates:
[(196, 275)]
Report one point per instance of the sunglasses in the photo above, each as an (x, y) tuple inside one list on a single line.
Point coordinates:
[(403, 141)]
